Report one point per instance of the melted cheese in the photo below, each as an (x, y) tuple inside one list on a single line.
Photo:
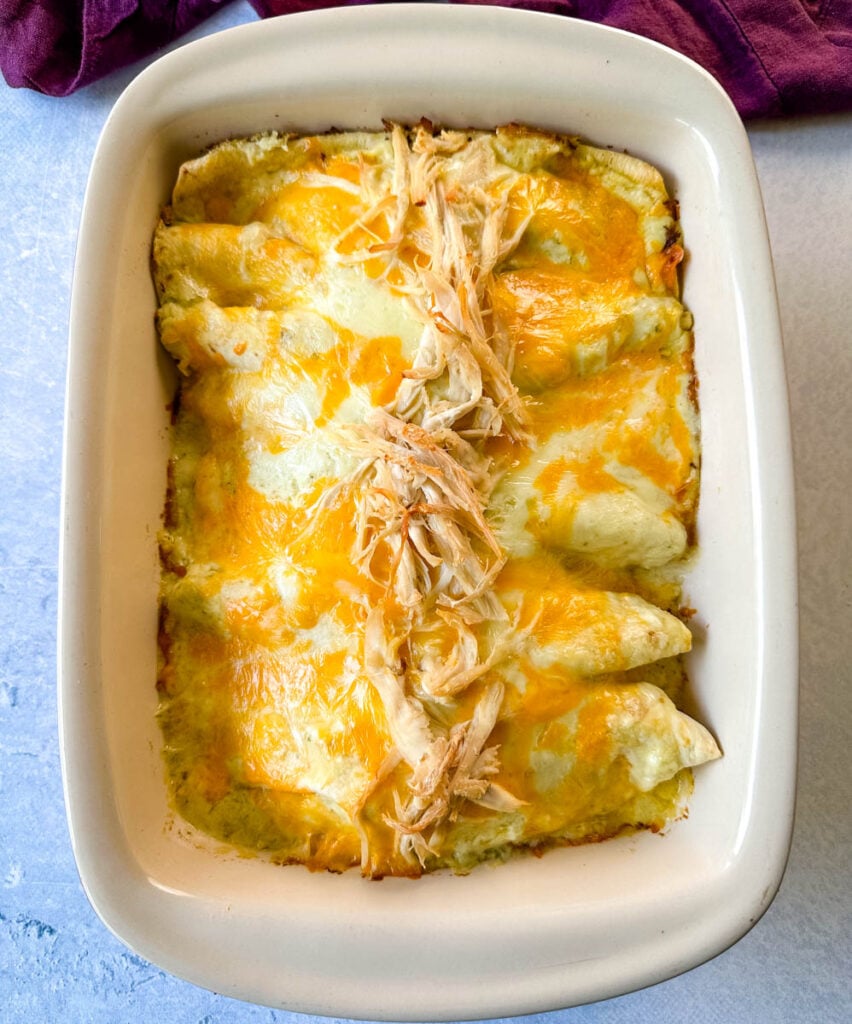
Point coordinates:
[(434, 466)]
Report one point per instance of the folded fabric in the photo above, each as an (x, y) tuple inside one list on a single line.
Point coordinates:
[(57, 46), (774, 57)]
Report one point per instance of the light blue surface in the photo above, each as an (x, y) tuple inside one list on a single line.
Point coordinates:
[(57, 961)]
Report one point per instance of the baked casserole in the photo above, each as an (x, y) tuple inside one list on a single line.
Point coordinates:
[(433, 484)]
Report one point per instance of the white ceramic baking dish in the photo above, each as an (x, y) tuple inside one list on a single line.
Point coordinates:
[(534, 934)]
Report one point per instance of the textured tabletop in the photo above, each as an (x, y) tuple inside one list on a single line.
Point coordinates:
[(57, 961)]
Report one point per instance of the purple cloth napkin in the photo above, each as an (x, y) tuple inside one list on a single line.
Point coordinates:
[(57, 46), (774, 57)]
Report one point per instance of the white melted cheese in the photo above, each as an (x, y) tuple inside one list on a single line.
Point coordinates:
[(629, 632), (364, 305), (633, 526), (643, 726), (306, 761), (552, 766), (306, 333), (622, 529), (638, 324), (287, 580), (516, 497), (656, 738), (289, 476), (238, 338)]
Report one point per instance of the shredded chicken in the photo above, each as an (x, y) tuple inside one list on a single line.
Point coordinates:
[(422, 481), (461, 374), (422, 531), (456, 768)]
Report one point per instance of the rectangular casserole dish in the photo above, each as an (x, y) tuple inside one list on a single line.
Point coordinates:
[(534, 934)]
